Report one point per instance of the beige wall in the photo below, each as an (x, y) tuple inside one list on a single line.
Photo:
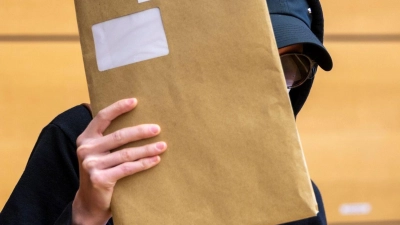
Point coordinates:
[(350, 125), (38, 80)]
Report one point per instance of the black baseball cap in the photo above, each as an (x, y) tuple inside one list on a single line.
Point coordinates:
[(291, 22)]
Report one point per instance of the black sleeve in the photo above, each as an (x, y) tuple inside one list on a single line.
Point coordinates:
[(66, 216), (48, 184), (50, 180), (47, 187)]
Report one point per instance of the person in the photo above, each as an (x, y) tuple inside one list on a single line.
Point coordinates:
[(71, 173)]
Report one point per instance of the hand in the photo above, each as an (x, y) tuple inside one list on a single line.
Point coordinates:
[(99, 169)]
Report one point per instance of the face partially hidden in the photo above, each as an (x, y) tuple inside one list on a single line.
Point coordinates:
[(297, 48)]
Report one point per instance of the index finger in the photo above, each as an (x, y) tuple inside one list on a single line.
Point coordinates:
[(104, 117)]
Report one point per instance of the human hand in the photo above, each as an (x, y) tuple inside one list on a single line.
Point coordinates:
[(100, 169)]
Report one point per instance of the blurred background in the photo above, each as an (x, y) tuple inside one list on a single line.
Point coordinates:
[(350, 125)]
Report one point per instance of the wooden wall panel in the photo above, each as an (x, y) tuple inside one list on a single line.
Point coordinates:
[(361, 16), (37, 82), (350, 129), (58, 17), (37, 17)]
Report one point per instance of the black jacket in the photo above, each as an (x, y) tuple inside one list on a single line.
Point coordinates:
[(46, 189)]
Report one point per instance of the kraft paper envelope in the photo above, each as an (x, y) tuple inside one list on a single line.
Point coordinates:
[(208, 72)]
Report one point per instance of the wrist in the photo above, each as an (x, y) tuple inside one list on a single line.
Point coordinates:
[(82, 215)]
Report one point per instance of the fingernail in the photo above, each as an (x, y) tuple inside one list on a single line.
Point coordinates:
[(155, 159), (160, 146), (155, 129), (131, 101)]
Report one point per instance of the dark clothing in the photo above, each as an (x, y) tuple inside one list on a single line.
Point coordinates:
[(49, 183), (47, 187)]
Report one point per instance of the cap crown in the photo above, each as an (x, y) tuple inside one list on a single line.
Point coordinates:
[(295, 8)]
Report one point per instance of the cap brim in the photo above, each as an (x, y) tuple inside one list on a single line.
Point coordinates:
[(289, 30)]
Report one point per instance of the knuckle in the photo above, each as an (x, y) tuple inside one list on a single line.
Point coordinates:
[(120, 106), (143, 164), (143, 131), (118, 136), (149, 149), (124, 155), (83, 150), (126, 170), (102, 114), (97, 179), (79, 140), (152, 150), (90, 164)]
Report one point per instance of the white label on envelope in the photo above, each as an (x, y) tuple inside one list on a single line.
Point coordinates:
[(130, 39)]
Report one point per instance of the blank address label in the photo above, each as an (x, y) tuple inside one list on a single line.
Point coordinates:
[(129, 39)]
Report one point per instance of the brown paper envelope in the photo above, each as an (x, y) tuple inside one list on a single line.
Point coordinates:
[(234, 156)]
